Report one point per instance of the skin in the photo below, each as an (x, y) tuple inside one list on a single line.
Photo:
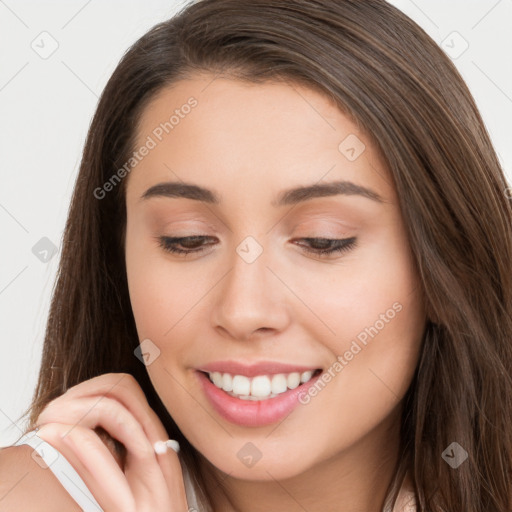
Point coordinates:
[(248, 143), (338, 450), (139, 481)]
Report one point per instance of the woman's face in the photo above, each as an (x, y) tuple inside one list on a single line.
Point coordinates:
[(256, 290)]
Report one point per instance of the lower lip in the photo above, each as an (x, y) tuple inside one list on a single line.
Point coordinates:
[(251, 413)]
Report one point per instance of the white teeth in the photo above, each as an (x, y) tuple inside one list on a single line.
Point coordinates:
[(252, 398), (260, 387), (293, 380), (241, 385), (227, 382), (216, 378), (279, 383), (305, 376)]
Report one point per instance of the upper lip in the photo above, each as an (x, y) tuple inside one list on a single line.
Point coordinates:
[(252, 370)]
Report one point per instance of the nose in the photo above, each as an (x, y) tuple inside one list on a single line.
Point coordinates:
[(250, 301)]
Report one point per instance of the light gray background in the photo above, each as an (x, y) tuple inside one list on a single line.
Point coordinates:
[(46, 105)]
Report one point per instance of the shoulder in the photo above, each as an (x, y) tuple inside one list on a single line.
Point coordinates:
[(25, 485)]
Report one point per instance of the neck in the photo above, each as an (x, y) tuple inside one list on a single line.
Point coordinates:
[(355, 479)]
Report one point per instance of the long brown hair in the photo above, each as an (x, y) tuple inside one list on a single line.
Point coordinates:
[(393, 80)]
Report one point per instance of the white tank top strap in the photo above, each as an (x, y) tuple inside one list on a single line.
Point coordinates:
[(73, 483), (63, 471)]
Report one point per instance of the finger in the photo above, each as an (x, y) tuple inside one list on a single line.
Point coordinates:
[(120, 424), (93, 462), (147, 475), (125, 388), (117, 449), (173, 474), (108, 413)]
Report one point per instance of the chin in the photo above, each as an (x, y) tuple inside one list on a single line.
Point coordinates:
[(274, 465)]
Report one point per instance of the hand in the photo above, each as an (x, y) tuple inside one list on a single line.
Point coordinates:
[(106, 429)]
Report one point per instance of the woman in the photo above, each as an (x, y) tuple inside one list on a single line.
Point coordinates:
[(288, 249)]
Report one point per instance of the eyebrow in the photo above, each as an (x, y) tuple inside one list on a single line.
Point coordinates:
[(288, 197)]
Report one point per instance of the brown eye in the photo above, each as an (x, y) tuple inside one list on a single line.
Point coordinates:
[(196, 244), (189, 244), (326, 246)]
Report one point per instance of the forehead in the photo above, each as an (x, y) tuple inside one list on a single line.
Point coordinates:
[(222, 132)]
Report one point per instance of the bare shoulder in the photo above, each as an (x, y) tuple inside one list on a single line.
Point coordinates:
[(25, 485)]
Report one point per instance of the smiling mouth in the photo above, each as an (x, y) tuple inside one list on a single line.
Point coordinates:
[(260, 387)]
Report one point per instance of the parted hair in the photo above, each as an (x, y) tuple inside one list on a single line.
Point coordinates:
[(394, 81)]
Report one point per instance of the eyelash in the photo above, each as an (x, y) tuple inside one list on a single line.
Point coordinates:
[(169, 244)]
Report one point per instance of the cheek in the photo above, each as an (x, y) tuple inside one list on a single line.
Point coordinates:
[(373, 307), (372, 293), (386, 328), (156, 296)]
